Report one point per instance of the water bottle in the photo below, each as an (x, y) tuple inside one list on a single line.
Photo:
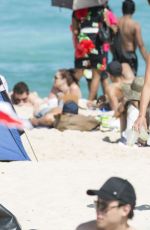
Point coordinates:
[(148, 140), (143, 134), (132, 137)]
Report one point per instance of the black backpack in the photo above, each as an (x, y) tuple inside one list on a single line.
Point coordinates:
[(104, 33)]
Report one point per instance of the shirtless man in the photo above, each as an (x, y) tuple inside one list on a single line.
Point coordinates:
[(119, 74), (22, 96), (131, 36), (114, 206)]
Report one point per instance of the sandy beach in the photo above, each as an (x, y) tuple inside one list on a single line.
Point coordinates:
[(51, 193), (37, 40)]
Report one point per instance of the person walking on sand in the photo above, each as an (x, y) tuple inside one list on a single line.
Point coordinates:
[(131, 37), (115, 203), (145, 98), (91, 38), (144, 101)]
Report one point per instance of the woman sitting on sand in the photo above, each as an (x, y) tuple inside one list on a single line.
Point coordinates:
[(65, 83)]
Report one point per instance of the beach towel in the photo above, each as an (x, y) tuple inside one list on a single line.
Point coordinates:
[(76, 122)]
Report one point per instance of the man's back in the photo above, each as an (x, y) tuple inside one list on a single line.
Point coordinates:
[(131, 30), (127, 27), (128, 38)]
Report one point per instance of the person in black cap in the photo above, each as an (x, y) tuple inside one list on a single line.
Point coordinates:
[(119, 74), (114, 206)]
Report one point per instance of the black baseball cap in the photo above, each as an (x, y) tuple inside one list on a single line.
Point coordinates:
[(116, 188), (114, 68)]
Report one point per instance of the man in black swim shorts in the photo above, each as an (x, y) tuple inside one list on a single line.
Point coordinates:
[(130, 38)]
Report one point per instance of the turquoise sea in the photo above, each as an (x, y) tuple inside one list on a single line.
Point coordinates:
[(35, 41)]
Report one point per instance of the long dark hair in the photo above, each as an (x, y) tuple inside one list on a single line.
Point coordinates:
[(73, 73), (66, 74)]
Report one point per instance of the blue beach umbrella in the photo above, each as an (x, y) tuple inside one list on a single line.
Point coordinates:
[(77, 4)]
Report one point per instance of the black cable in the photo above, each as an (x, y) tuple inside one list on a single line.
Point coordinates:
[(31, 147)]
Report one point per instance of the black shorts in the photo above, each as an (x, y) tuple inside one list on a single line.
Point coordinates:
[(130, 57)]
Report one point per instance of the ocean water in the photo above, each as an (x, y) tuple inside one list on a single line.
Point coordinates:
[(35, 41)]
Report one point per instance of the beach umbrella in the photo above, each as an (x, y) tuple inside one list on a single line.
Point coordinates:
[(77, 4)]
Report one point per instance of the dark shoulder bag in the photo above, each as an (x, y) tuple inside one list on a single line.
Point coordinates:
[(104, 33), (7, 220)]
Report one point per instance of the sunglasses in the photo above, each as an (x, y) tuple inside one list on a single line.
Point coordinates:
[(56, 78), (103, 206), (18, 100)]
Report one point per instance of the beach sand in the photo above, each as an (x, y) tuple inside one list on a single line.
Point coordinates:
[(51, 193)]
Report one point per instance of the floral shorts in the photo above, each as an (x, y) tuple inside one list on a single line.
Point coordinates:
[(90, 53)]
